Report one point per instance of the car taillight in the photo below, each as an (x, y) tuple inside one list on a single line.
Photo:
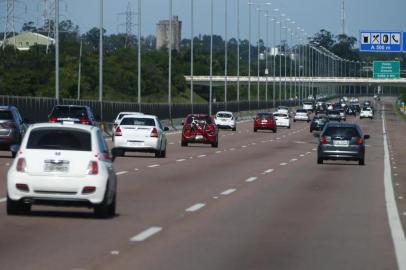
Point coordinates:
[(21, 165), (10, 125), (93, 168), (257, 119), (84, 120), (118, 132), (52, 119), (323, 140), (154, 133), (358, 141)]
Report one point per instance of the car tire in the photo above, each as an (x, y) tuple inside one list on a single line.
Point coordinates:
[(288, 127), (294, 120), (274, 130), (234, 129), (215, 144), (255, 130), (112, 207), (13, 154), (163, 153), (13, 207), (183, 143), (102, 210), (319, 160), (361, 161)]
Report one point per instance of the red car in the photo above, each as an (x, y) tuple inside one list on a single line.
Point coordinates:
[(199, 128), (265, 121)]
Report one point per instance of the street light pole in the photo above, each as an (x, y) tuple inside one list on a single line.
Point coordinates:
[(101, 61), (225, 52), (211, 58), (258, 54), (249, 55), (56, 51), (238, 55), (191, 51), (139, 55)]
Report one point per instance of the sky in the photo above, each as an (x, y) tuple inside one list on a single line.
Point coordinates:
[(311, 15)]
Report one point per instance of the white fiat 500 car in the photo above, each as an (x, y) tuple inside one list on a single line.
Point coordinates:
[(62, 165), (140, 133), (225, 119), (301, 115), (120, 116), (282, 119), (366, 112)]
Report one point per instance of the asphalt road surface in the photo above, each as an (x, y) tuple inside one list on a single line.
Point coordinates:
[(259, 201)]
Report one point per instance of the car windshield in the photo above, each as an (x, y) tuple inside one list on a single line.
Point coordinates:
[(334, 112), (224, 115), (136, 121), (264, 115), (307, 103), (60, 139), (280, 115), (6, 115), (200, 118), (345, 132), (301, 111), (69, 112)]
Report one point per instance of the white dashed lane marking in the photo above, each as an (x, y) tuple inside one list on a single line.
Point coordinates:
[(145, 234), (218, 152), (283, 164), (153, 166), (228, 191), (180, 160), (251, 179), (201, 156), (268, 171), (2, 200), (121, 173), (195, 207)]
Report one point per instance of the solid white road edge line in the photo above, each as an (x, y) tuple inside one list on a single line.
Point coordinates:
[(2, 200), (146, 234), (195, 207), (120, 173), (228, 191), (251, 179), (398, 235)]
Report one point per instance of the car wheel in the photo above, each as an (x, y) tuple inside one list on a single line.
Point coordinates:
[(158, 153), (13, 207), (183, 143), (102, 210), (234, 129), (319, 160), (361, 161), (215, 144), (13, 154), (294, 120), (274, 130), (289, 126), (112, 207), (163, 153), (255, 130)]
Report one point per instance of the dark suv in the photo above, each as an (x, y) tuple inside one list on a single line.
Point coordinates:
[(12, 127), (341, 141), (72, 114)]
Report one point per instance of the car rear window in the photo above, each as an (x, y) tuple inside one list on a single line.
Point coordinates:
[(264, 115), (203, 118), (69, 112), (301, 111), (6, 115), (280, 115), (224, 115), (135, 121), (60, 139), (346, 132), (333, 112)]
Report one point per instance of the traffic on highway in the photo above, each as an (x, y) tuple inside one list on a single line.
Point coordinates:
[(294, 188)]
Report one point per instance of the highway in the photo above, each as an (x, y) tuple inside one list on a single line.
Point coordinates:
[(259, 201)]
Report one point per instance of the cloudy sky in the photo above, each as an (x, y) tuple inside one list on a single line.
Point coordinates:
[(312, 15)]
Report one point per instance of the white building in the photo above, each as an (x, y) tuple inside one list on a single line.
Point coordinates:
[(25, 40)]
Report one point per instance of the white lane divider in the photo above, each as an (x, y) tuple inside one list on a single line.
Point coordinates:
[(171, 143), (2, 200), (145, 234), (293, 160), (283, 164), (308, 153), (268, 171), (228, 191), (251, 179), (121, 173), (201, 156), (115, 252), (180, 160), (302, 155), (218, 152), (232, 149), (153, 166), (244, 146), (195, 207), (395, 225), (136, 169)]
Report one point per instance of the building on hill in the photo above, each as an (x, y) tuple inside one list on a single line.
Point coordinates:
[(162, 33), (25, 40)]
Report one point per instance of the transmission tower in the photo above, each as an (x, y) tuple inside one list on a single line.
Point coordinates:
[(129, 24), (48, 16), (9, 26)]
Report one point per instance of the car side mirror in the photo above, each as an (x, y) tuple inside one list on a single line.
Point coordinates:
[(166, 129), (366, 137), (14, 148)]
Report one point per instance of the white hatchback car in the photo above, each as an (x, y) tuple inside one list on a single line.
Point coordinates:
[(119, 117), (140, 133), (366, 112), (308, 106), (62, 165), (301, 115), (225, 119), (282, 119)]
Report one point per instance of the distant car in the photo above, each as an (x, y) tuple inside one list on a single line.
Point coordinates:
[(318, 122), (282, 120), (301, 115), (283, 109), (118, 119), (199, 128), (72, 114), (62, 165), (12, 127), (342, 114), (351, 110), (225, 119), (341, 141), (334, 115), (330, 106), (265, 121), (140, 133), (377, 98), (366, 112), (308, 106)]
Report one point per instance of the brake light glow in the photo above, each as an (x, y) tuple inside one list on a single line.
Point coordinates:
[(154, 133), (52, 119), (358, 141), (84, 120), (118, 132), (323, 140), (21, 165), (93, 168)]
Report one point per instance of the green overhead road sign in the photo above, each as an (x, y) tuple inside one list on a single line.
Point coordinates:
[(386, 69)]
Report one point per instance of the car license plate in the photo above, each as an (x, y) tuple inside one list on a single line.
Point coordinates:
[(341, 143), (264, 121), (135, 143), (56, 168), (199, 137), (69, 122)]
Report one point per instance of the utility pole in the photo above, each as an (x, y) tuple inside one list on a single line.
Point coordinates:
[(139, 56), (57, 97), (170, 62), (129, 24), (100, 60), (225, 52), (80, 68)]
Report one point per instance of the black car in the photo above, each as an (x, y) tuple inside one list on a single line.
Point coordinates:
[(351, 110), (12, 127), (318, 122), (341, 141), (72, 114)]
